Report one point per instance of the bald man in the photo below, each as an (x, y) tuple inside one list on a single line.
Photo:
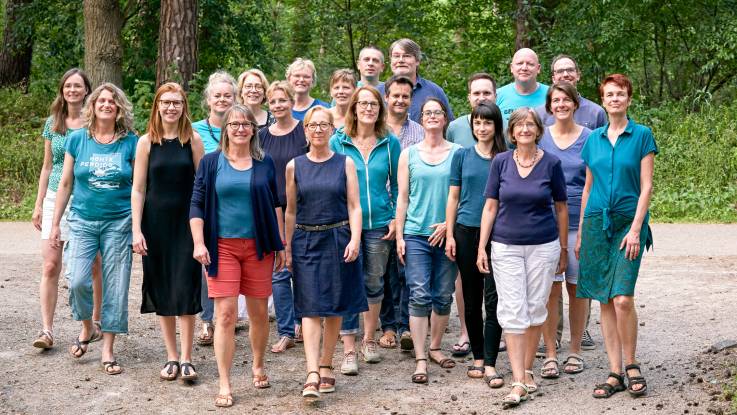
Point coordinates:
[(525, 91)]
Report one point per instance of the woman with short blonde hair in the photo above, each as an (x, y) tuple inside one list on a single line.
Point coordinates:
[(252, 86), (301, 75)]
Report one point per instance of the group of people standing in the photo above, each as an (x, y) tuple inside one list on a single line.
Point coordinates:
[(379, 206)]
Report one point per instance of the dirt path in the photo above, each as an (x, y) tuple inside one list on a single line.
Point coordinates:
[(685, 300)]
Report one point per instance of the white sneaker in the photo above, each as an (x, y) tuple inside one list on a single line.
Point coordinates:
[(350, 364)]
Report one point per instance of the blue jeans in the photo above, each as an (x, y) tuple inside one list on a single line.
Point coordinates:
[(430, 277), (395, 306), (208, 304), (112, 238), (281, 287), (375, 255)]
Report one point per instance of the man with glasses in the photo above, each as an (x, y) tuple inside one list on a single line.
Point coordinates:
[(405, 57), (589, 114), (481, 87), (524, 91)]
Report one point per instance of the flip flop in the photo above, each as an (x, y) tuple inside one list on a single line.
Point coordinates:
[(461, 349), (172, 370), (79, 346), (388, 340), (109, 368), (445, 362)]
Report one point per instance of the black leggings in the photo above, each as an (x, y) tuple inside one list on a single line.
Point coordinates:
[(478, 289)]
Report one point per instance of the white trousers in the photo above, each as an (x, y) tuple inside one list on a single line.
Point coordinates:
[(523, 275)]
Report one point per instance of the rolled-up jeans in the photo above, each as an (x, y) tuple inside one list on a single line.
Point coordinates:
[(375, 253), (430, 277), (112, 238)]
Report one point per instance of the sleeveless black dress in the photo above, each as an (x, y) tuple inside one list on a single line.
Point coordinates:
[(172, 279)]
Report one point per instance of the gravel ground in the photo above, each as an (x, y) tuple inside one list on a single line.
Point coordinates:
[(685, 300)]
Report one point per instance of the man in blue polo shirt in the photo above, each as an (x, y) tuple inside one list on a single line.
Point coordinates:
[(525, 91), (589, 114), (404, 57), (481, 88)]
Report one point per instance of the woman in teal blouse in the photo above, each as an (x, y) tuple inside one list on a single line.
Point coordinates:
[(614, 229)]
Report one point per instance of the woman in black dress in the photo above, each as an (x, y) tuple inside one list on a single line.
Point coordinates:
[(166, 159)]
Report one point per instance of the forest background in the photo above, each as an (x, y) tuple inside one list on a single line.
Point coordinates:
[(681, 55)]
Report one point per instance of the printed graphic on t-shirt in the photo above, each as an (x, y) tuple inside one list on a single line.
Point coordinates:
[(105, 171)]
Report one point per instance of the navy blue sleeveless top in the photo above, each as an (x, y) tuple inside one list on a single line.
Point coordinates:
[(321, 190)]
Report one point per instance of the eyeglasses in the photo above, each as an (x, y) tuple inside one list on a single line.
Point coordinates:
[(235, 126), (429, 113), (368, 104), (255, 87), (166, 104), (561, 71), (324, 126)]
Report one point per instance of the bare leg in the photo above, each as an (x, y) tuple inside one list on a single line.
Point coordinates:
[(96, 287), (611, 341), (532, 339), (349, 343), (258, 332), (371, 321), (549, 328), (49, 287), (418, 330), (624, 307), (169, 333), (438, 324), (516, 350), (463, 337), (186, 336), (578, 309), (226, 311), (329, 339), (108, 341), (311, 329)]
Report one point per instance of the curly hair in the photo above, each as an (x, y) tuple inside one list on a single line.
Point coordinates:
[(123, 117)]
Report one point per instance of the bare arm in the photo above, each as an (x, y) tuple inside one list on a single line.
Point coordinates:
[(402, 202), (198, 149), (354, 211), (62, 198), (561, 215), (451, 209), (43, 184), (631, 241), (488, 216), (290, 215), (138, 193)]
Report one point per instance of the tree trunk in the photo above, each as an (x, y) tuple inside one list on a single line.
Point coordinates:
[(103, 48), (17, 47), (177, 59), (522, 35)]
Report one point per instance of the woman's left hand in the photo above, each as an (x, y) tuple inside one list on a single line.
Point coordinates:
[(280, 260), (351, 251), (562, 262), (631, 245)]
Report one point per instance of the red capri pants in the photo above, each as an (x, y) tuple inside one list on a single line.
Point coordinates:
[(240, 271)]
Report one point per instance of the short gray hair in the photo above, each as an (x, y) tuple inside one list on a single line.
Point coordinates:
[(214, 79)]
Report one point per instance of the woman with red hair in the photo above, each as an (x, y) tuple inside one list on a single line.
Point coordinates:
[(166, 159), (614, 231)]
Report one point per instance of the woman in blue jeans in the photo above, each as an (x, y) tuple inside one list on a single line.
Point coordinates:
[(98, 165), (424, 176), (375, 152)]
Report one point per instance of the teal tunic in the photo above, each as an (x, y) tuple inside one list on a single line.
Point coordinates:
[(611, 206)]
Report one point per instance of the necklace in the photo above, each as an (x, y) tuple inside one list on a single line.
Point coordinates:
[(481, 153), (516, 159), (207, 121), (366, 144), (103, 142)]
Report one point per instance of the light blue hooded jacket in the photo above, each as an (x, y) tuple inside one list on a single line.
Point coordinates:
[(378, 201)]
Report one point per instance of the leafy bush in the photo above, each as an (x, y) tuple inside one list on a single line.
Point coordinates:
[(695, 172)]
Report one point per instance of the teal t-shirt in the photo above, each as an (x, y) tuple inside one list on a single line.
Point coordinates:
[(103, 175), (428, 192), (469, 171), (616, 170), (459, 132), (57, 151), (210, 135), (233, 189), (508, 99)]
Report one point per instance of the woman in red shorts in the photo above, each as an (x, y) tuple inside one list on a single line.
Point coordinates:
[(237, 237)]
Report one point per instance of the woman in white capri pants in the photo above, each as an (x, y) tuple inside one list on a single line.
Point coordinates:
[(528, 242)]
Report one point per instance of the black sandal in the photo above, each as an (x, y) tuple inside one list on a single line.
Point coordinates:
[(420, 377), (79, 346), (635, 380), (608, 388), (172, 370), (188, 371), (473, 368), (445, 362)]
